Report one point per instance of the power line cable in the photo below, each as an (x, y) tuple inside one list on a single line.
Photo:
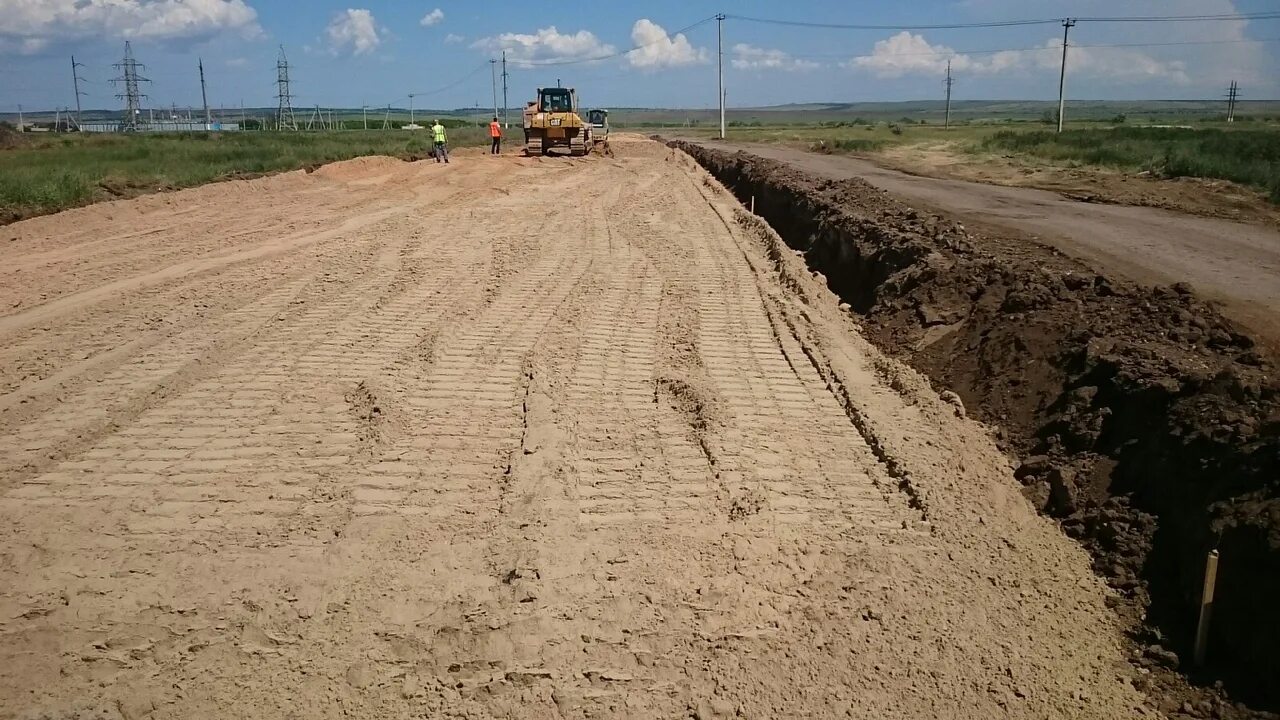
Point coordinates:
[(455, 83), (1009, 23), (1187, 42), (843, 26), (1185, 18), (1056, 48)]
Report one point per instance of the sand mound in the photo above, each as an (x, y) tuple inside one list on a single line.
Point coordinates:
[(359, 168)]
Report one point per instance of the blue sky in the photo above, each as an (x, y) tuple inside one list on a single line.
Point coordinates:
[(375, 52)]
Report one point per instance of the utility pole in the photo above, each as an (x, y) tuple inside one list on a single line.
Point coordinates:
[(1232, 96), (132, 97), (284, 111), (1067, 24), (22, 124), (504, 88), (493, 72), (411, 108), (204, 97), (364, 114), (75, 80), (720, 67), (946, 122)]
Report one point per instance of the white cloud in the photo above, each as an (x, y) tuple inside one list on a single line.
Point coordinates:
[(545, 45), (238, 62), (911, 54), (353, 31), (656, 49), (27, 24), (1118, 65), (750, 57), (435, 17), (906, 54), (453, 39)]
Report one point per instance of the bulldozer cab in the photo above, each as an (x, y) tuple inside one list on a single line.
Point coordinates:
[(556, 100), (598, 118)]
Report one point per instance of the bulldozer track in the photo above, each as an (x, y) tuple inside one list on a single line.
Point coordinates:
[(412, 440)]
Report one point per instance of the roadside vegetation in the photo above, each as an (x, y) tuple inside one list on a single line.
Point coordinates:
[(1249, 157), (1246, 152), (42, 173)]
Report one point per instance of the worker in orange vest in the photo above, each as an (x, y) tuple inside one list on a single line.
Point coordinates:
[(495, 133)]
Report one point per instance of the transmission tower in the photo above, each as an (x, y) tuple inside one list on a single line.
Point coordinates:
[(284, 113), (129, 77)]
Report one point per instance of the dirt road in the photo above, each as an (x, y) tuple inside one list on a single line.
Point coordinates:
[(1236, 264), (504, 438)]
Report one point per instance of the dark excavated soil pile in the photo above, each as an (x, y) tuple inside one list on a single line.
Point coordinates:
[(1142, 419)]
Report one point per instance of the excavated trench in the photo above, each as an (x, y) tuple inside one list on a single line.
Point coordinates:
[(1141, 419)]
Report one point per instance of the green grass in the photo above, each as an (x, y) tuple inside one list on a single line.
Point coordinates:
[(1245, 152), (45, 173), (846, 138), (1250, 157), (962, 111)]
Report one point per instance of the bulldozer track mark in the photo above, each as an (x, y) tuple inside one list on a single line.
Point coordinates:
[(192, 267), (813, 372), (191, 358)]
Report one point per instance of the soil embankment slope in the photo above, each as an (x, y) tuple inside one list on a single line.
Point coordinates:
[(1143, 419)]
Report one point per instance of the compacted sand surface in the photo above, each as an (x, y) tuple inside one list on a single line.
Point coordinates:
[(510, 437)]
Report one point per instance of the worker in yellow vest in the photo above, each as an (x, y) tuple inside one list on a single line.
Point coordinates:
[(438, 137)]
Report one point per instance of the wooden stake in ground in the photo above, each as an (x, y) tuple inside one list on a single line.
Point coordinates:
[(1206, 606)]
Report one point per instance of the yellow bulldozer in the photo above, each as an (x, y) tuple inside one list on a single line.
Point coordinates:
[(553, 121)]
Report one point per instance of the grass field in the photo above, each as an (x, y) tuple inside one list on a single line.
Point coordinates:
[(1246, 153), (1249, 157), (45, 172), (963, 112)]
